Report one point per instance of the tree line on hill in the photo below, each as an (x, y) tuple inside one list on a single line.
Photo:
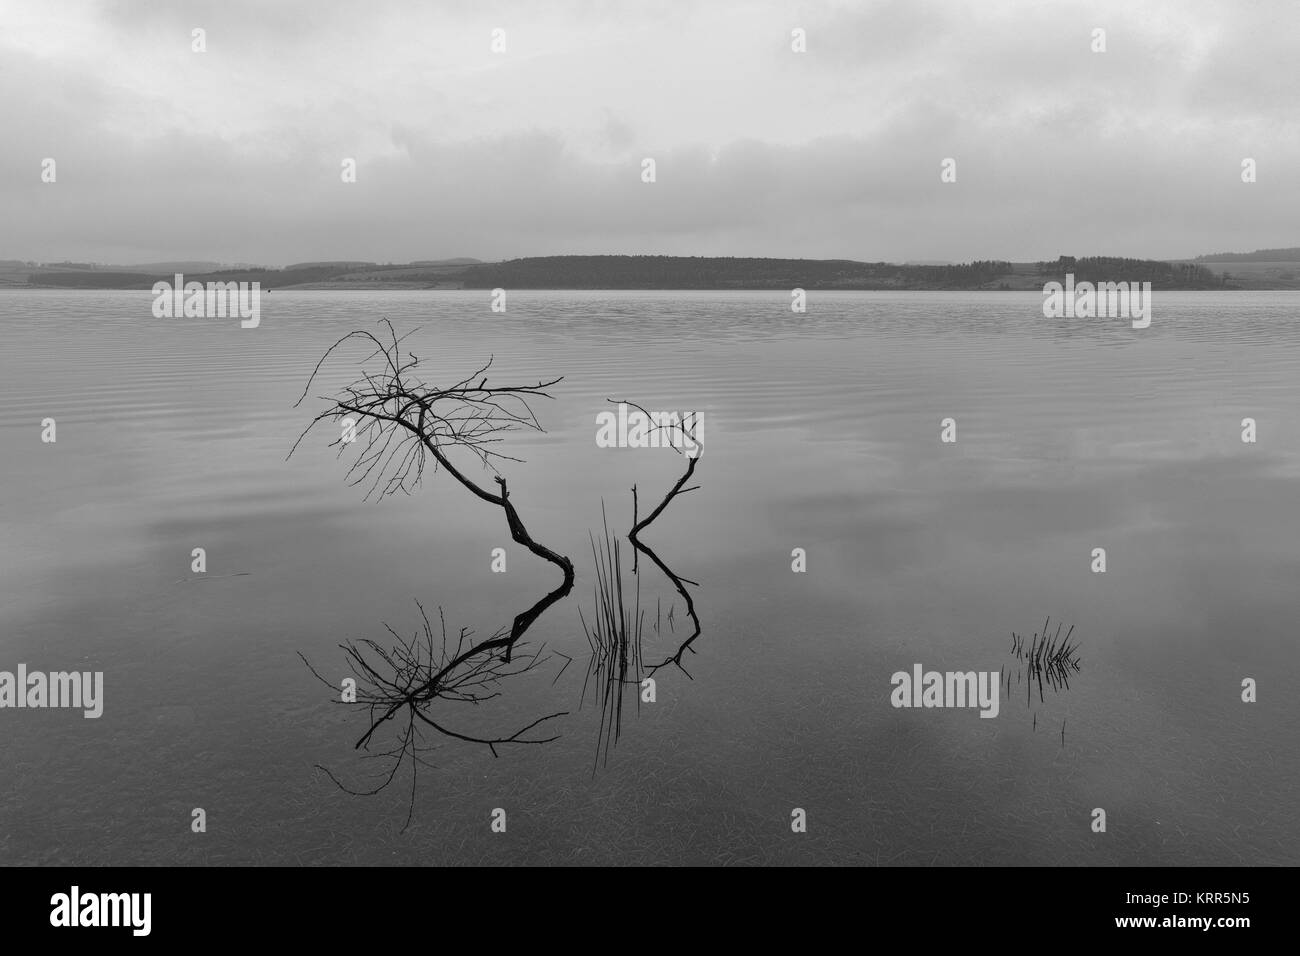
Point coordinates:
[(684, 272)]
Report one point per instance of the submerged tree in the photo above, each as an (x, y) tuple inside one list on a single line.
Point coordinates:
[(396, 423), (617, 628), (679, 583)]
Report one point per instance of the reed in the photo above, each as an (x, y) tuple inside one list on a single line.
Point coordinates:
[(1048, 658), (614, 634)]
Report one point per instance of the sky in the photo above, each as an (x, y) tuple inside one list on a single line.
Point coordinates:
[(236, 154)]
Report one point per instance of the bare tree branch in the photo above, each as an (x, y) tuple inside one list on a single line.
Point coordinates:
[(399, 423), (640, 547), (402, 421)]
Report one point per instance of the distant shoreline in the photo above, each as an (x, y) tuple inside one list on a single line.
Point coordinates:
[(685, 273), (397, 287)]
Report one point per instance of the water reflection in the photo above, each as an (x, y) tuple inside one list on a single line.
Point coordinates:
[(618, 622), (405, 687)]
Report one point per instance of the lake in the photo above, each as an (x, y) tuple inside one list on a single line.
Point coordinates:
[(821, 431)]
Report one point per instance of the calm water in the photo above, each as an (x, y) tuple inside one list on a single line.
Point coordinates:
[(821, 432)]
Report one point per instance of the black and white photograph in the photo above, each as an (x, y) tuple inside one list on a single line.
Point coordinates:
[(843, 434)]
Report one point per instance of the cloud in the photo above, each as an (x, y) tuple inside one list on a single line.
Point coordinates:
[(235, 154)]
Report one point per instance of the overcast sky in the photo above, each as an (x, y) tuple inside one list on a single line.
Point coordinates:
[(234, 154)]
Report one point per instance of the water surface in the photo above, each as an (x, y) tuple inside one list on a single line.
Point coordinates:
[(821, 432)]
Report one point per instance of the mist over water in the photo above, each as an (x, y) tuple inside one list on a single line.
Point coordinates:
[(821, 432)]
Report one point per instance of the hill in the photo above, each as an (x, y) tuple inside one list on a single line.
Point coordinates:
[(683, 272)]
